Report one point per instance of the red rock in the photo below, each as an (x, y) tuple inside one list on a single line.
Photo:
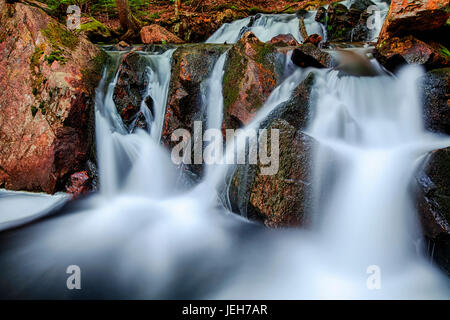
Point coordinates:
[(249, 79), (284, 40), (413, 51), (414, 16), (44, 106), (154, 34), (79, 184), (314, 39), (281, 199), (191, 65)]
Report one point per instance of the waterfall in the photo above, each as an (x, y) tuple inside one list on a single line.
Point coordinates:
[(280, 94), (118, 151), (265, 27), (157, 88), (370, 141), (139, 238), (369, 147), (379, 16)]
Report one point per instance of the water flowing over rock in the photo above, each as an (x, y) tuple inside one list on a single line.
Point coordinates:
[(266, 27), (130, 87), (154, 34), (45, 126), (352, 138), (280, 199), (250, 76), (191, 65)]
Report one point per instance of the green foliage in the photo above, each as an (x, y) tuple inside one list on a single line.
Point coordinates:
[(444, 51), (108, 7), (154, 16)]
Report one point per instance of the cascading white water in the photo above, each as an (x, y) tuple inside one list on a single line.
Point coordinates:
[(146, 241), (117, 150), (379, 16), (265, 27), (158, 88), (370, 141)]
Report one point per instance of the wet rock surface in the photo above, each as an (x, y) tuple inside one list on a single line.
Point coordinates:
[(346, 24), (281, 199), (434, 179), (191, 65), (130, 88), (308, 55)]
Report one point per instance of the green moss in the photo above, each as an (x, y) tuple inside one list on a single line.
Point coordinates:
[(154, 16), (34, 110), (58, 36), (95, 26), (91, 75), (264, 52), (42, 108), (234, 73), (233, 77), (35, 91), (254, 10), (36, 56), (56, 55)]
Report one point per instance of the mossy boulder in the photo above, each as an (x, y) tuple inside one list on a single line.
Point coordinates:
[(96, 31), (47, 99), (280, 199), (249, 78), (191, 66)]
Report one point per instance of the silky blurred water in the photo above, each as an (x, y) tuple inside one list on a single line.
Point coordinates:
[(142, 236)]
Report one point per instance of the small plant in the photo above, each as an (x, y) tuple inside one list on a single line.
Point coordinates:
[(154, 16), (42, 108), (33, 110), (55, 55)]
